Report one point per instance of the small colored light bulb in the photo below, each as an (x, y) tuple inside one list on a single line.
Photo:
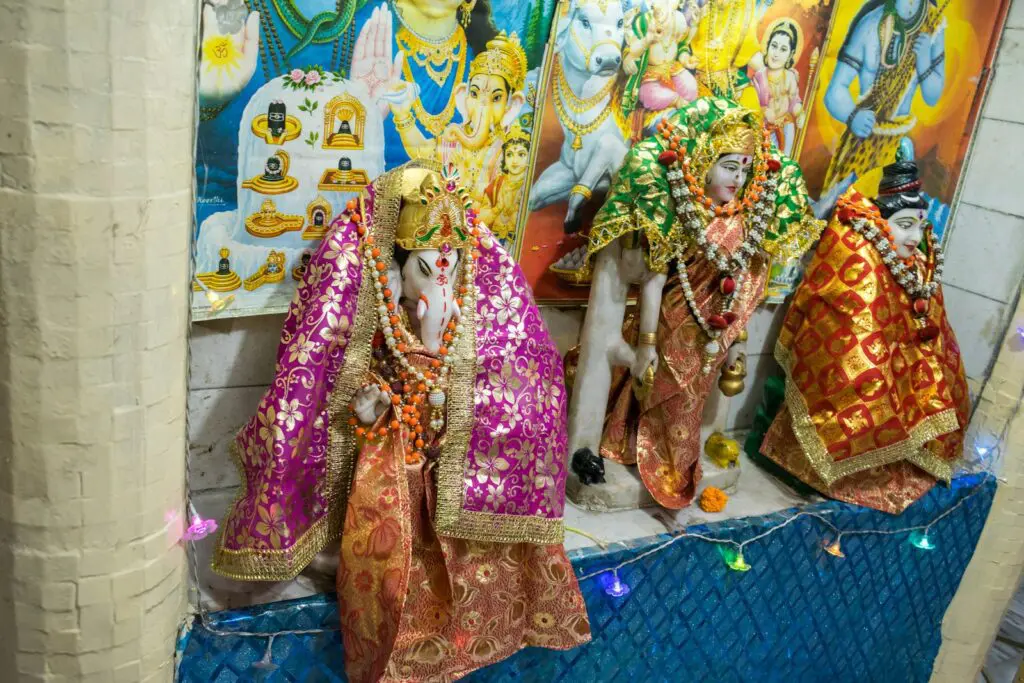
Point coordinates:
[(614, 586), (735, 561), (921, 541), (834, 549), (267, 663)]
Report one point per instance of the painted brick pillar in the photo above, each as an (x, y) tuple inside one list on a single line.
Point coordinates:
[(96, 129)]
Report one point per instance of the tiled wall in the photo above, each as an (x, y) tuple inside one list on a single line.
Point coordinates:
[(232, 360)]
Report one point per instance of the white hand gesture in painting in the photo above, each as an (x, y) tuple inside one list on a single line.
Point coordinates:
[(228, 60), (371, 58)]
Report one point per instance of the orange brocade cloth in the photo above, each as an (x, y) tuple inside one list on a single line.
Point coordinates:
[(873, 415), (661, 435), (416, 606)]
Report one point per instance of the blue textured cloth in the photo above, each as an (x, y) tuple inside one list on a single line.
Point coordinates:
[(798, 616)]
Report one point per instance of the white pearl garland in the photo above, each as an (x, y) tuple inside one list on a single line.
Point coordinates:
[(732, 265), (916, 285)]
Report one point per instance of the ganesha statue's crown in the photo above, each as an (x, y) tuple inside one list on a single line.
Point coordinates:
[(436, 211), (503, 57)]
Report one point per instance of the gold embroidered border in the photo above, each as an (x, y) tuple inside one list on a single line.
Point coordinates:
[(250, 564), (451, 476), (498, 528), (450, 516), (662, 249), (910, 449)]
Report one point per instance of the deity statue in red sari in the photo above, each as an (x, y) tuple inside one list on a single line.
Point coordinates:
[(876, 402)]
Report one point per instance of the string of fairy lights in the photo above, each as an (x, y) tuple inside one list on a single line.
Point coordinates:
[(919, 536)]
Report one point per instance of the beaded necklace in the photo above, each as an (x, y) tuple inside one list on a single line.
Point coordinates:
[(694, 211), (414, 386), (920, 284)]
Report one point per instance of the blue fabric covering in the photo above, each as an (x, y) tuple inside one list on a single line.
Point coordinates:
[(798, 616)]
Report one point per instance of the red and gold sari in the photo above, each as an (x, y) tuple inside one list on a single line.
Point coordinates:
[(661, 435), (873, 415)]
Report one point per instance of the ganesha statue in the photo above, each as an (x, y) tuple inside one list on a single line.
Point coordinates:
[(418, 413), (695, 216), (876, 400)]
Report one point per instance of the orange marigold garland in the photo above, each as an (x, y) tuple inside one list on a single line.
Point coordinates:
[(415, 390)]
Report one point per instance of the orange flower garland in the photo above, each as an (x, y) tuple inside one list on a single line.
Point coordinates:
[(416, 389)]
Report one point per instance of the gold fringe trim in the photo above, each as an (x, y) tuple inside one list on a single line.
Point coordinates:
[(661, 251), (251, 564), (910, 449)]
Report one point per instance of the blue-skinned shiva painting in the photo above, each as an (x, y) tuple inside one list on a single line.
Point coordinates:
[(304, 102)]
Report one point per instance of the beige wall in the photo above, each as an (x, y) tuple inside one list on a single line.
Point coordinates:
[(992, 201), (96, 128)]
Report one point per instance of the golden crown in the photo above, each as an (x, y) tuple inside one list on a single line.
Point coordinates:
[(433, 212), (503, 57), (517, 134), (733, 133)]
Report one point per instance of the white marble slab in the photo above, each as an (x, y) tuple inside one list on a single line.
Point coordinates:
[(1004, 94), (758, 494), (984, 254), (979, 324)]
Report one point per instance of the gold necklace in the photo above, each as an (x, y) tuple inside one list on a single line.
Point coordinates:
[(436, 123), (437, 59), (571, 100), (578, 130)]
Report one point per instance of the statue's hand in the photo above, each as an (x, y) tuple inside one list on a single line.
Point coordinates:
[(646, 357), (923, 51), (630, 65), (863, 123), (369, 403)]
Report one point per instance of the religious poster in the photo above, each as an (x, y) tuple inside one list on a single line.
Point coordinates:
[(900, 74), (615, 69), (304, 102)]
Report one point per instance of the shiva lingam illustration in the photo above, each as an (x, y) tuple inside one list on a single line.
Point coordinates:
[(270, 272), (344, 178), (318, 219), (299, 271), (275, 178), (276, 127), (223, 279), (269, 222), (344, 120)]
